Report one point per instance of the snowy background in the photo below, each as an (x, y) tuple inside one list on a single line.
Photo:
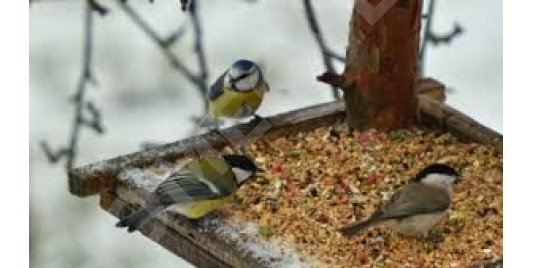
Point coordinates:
[(143, 99)]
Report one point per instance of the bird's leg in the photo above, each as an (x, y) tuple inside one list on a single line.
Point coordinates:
[(257, 119), (435, 235), (215, 127), (216, 130), (194, 222)]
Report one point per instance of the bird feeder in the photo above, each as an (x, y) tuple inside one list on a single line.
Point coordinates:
[(320, 175)]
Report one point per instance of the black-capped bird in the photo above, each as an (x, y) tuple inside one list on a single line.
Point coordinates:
[(200, 186), (415, 208)]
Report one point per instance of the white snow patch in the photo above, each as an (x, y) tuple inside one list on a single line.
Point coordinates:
[(138, 178), (268, 252)]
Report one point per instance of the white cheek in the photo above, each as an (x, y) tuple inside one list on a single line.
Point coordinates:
[(248, 83), (439, 180), (241, 175)]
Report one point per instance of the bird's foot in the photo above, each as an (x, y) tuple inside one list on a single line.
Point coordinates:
[(257, 119), (215, 131), (436, 236)]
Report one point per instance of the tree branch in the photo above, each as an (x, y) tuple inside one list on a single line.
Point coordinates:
[(430, 36), (184, 5), (333, 79), (327, 54), (70, 152), (97, 7), (163, 44), (436, 39), (199, 49)]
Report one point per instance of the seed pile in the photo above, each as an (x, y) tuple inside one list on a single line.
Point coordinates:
[(327, 178)]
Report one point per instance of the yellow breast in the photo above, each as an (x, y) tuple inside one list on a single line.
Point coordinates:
[(201, 208), (234, 104)]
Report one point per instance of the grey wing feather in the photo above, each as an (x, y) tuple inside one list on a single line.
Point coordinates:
[(264, 81), (184, 187), (217, 88), (413, 199)]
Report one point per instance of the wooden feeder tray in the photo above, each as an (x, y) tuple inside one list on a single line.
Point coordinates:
[(212, 242)]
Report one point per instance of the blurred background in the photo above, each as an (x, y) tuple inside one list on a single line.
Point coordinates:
[(143, 98)]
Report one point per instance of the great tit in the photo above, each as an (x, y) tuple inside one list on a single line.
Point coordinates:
[(415, 208), (238, 92), (200, 186)]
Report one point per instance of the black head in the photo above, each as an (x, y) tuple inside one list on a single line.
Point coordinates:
[(240, 161), (243, 167), (436, 169)]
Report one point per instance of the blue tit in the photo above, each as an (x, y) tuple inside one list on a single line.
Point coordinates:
[(414, 209), (238, 92), (200, 186)]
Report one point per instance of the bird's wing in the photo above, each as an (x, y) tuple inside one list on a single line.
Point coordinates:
[(184, 186), (414, 199), (217, 88), (262, 78)]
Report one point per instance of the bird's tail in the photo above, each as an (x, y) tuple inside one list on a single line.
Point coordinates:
[(137, 218), (356, 228)]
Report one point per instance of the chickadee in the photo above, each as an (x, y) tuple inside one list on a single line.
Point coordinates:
[(238, 92), (415, 208), (199, 187)]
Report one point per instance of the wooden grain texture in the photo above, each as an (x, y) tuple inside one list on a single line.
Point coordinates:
[(462, 126), (95, 178), (207, 248), (380, 75), (200, 246)]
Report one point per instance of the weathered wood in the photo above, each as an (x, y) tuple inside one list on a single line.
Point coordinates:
[(199, 246), (94, 178), (459, 124), (431, 88), (203, 246), (380, 75)]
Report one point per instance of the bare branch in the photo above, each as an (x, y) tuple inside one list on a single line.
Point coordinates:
[(199, 48), (184, 5), (70, 152), (335, 56), (95, 121), (176, 36), (53, 157), (199, 80), (333, 79), (327, 54), (429, 36), (445, 38), (97, 7), (152, 34), (427, 30)]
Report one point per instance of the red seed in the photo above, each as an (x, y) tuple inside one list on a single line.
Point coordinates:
[(278, 168), (322, 218)]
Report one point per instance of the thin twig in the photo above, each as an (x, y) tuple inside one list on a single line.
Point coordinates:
[(79, 121), (199, 49), (98, 7), (427, 30), (335, 56), (162, 44), (435, 39), (327, 54), (174, 37)]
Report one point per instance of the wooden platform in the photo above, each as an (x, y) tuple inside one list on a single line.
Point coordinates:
[(203, 244)]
